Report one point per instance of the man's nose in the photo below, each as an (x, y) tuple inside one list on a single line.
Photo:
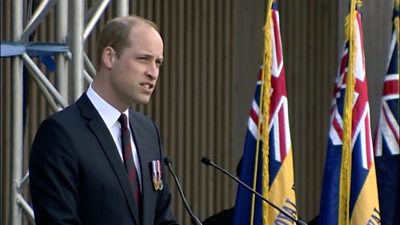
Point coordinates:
[(153, 70)]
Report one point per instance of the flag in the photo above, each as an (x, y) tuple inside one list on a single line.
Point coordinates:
[(386, 141), (267, 161), (349, 190)]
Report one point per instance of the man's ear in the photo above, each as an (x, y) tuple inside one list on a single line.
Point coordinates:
[(108, 57)]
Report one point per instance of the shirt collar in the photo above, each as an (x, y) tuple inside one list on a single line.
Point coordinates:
[(109, 114)]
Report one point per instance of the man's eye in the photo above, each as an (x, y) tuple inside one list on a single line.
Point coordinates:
[(159, 62), (143, 58)]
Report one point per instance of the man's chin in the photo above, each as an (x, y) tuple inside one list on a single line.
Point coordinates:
[(142, 101)]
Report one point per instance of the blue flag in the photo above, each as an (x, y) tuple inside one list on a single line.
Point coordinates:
[(387, 135), (349, 189), (267, 163)]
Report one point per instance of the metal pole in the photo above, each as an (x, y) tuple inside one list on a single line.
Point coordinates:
[(122, 7), (92, 17), (61, 35), (27, 208), (43, 81), (41, 12), (87, 77), (89, 66), (96, 16), (76, 43), (16, 115)]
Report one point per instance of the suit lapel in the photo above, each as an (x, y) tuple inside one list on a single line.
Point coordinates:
[(105, 139), (142, 144)]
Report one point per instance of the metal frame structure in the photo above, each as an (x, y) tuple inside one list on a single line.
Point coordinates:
[(72, 70)]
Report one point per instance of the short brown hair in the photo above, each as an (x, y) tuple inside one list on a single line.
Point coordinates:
[(116, 33)]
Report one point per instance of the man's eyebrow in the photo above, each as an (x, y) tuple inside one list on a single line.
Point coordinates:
[(150, 55)]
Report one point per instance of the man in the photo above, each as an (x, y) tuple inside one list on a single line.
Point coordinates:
[(87, 164)]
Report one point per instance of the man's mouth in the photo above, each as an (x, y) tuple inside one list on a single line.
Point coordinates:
[(148, 86)]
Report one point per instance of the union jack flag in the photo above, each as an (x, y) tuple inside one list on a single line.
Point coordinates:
[(279, 173), (387, 136), (362, 206)]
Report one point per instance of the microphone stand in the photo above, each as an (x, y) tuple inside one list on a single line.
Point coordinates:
[(208, 162), (195, 219)]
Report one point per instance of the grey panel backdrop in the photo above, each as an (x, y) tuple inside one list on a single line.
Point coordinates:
[(213, 51)]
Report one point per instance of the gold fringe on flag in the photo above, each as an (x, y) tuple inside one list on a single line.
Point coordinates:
[(396, 20), (396, 28), (345, 172), (263, 122), (266, 76)]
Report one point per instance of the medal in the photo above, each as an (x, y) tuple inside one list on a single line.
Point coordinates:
[(156, 175)]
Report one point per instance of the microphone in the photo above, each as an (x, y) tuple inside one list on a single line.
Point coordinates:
[(208, 162), (195, 220)]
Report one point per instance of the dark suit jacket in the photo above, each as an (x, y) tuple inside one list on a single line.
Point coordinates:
[(78, 177), (222, 218)]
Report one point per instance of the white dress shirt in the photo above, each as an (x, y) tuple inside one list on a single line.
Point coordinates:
[(110, 116)]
